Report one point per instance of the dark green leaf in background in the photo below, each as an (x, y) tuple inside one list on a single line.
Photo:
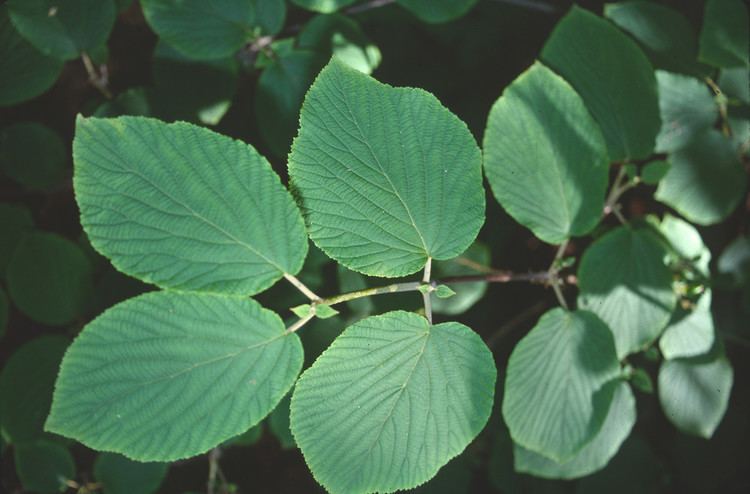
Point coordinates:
[(624, 280), (654, 171), (387, 177), (437, 11), (63, 29), (725, 37), (343, 37), (44, 467), (213, 29), (15, 223), (614, 78), (278, 422), (119, 475), (33, 155), (4, 310), (26, 384), (556, 398), (706, 180), (545, 157), (155, 199), (149, 377), (26, 72), (49, 278)]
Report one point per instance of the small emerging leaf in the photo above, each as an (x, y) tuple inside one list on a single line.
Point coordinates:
[(444, 291), (641, 380), (324, 311), (654, 171)]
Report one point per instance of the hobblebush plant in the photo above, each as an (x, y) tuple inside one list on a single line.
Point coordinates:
[(388, 183)]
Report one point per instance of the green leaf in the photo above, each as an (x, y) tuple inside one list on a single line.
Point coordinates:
[(665, 35), (542, 151), (165, 376), (342, 37), (247, 438), (654, 171), (391, 401), (50, 278), (734, 262), (4, 309), (694, 392), (686, 243), (303, 310), (706, 181), (204, 30), (387, 177), (43, 467), (279, 423), (596, 454), (437, 11), (33, 155), (135, 101), (183, 207), (444, 291), (614, 78), (324, 311), (555, 395), (119, 475), (623, 279), (63, 29), (27, 73), (690, 332), (687, 109), (279, 94), (15, 222), (185, 89), (474, 258), (323, 6), (725, 38), (641, 380), (26, 385)]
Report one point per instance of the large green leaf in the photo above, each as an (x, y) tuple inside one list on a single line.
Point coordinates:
[(687, 109), (387, 177), (614, 78), (665, 34), (119, 475), (63, 29), (555, 395), (436, 11), (165, 376), (391, 401), (213, 29), (44, 467), (50, 278), (33, 155), (26, 71), (694, 392), (545, 157), (15, 222), (323, 6), (279, 94), (706, 181), (690, 332), (725, 36), (624, 280), (26, 384), (596, 454), (182, 207)]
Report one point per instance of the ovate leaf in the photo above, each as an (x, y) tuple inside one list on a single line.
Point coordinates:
[(706, 180), (387, 177), (165, 376), (26, 384), (664, 33), (15, 222), (436, 11), (687, 109), (614, 78), (27, 72), (278, 422), (119, 475), (555, 396), (694, 392), (50, 278), (545, 157), (686, 244), (33, 155), (391, 401), (725, 36), (690, 332), (183, 207), (596, 454), (63, 29), (654, 171), (210, 30), (279, 94), (624, 280), (323, 6), (44, 467)]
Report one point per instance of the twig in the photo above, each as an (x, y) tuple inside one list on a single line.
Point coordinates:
[(301, 322), (301, 287), (427, 294), (100, 79), (553, 274)]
